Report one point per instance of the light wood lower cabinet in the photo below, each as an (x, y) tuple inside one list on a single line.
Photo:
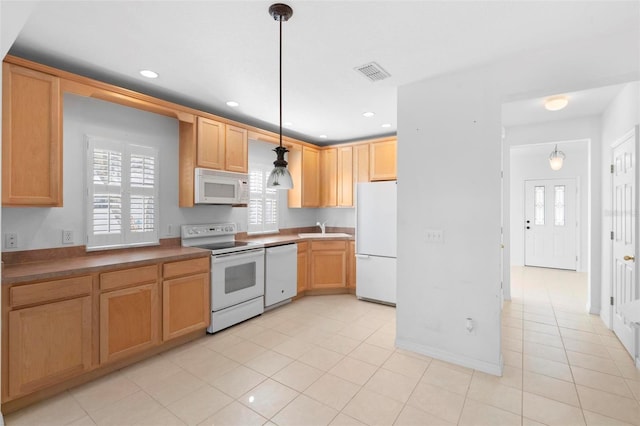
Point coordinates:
[(129, 321), (186, 305), (48, 333), (328, 265), (303, 266), (48, 343)]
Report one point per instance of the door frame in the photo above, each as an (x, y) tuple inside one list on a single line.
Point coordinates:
[(635, 130)]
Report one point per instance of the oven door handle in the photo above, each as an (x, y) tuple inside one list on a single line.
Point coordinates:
[(219, 258)]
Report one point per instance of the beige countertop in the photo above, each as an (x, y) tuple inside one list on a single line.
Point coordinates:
[(55, 268)]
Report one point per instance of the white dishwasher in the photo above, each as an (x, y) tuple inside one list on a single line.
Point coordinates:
[(281, 274)]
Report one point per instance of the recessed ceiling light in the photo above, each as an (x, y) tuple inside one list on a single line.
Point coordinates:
[(556, 103), (368, 114), (323, 136), (385, 125), (288, 123), (149, 74), (232, 104)]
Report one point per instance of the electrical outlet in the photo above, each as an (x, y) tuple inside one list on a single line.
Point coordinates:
[(435, 236), (10, 240), (67, 237)]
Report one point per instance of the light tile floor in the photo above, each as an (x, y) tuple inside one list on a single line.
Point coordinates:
[(331, 360)]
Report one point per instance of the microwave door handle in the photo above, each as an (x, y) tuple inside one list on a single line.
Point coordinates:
[(219, 258)]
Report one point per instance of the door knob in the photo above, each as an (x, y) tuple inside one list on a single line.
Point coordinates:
[(631, 258)]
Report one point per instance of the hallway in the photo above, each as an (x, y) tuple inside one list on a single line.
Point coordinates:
[(574, 370)]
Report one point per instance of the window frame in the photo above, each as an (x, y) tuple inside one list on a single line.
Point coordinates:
[(267, 194), (126, 237)]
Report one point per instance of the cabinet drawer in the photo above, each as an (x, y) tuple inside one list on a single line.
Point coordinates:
[(186, 267), (125, 277), (50, 290), (328, 245)]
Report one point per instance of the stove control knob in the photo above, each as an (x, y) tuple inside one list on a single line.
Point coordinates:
[(190, 232)]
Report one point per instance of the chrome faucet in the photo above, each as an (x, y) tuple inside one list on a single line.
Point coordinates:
[(321, 225)]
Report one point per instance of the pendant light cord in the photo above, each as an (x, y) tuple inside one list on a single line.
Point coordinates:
[(280, 53)]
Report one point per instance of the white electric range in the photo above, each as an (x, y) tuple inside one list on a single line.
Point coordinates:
[(237, 272)]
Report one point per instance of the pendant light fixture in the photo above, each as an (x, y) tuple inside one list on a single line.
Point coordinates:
[(556, 159), (280, 178)]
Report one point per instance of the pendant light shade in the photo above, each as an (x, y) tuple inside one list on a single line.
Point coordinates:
[(556, 158), (280, 178)]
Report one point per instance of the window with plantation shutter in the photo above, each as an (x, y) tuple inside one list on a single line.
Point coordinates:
[(263, 201), (122, 195)]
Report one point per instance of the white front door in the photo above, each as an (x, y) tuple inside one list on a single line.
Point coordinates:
[(624, 280), (550, 223)]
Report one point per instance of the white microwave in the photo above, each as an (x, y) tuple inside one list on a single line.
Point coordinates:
[(217, 187)]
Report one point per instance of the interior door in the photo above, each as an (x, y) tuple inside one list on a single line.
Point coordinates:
[(624, 280), (550, 223)]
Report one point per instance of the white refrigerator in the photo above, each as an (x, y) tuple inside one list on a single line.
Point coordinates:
[(376, 214)]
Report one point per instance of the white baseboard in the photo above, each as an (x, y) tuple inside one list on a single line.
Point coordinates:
[(485, 367)]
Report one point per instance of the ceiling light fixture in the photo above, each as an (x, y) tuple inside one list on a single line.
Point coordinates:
[(148, 73), (233, 104), (556, 159), (323, 136), (288, 123), (386, 125), (280, 178), (368, 114), (556, 103)]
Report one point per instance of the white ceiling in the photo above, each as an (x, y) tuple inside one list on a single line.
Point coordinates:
[(209, 52)]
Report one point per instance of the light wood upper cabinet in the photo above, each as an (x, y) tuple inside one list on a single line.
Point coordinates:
[(361, 163), (304, 166), (383, 160), (345, 176), (328, 265), (328, 177), (237, 149), (31, 138), (210, 144)]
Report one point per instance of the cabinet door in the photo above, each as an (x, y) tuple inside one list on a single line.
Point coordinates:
[(310, 177), (328, 268), (237, 150), (361, 163), (210, 144), (48, 343), (185, 305), (303, 267), (345, 176), (129, 321), (31, 138), (383, 160), (328, 177)]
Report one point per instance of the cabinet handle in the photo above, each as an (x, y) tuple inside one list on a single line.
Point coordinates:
[(631, 258)]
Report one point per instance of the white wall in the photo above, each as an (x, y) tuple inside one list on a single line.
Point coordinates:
[(42, 227), (620, 117), (449, 164)]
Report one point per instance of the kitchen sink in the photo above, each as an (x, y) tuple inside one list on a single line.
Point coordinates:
[(325, 235)]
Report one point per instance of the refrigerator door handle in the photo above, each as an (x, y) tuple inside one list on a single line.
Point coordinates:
[(362, 256)]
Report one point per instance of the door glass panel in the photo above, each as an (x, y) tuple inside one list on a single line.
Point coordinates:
[(239, 277), (559, 205), (538, 214)]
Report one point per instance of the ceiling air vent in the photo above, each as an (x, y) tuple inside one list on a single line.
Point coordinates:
[(373, 71)]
